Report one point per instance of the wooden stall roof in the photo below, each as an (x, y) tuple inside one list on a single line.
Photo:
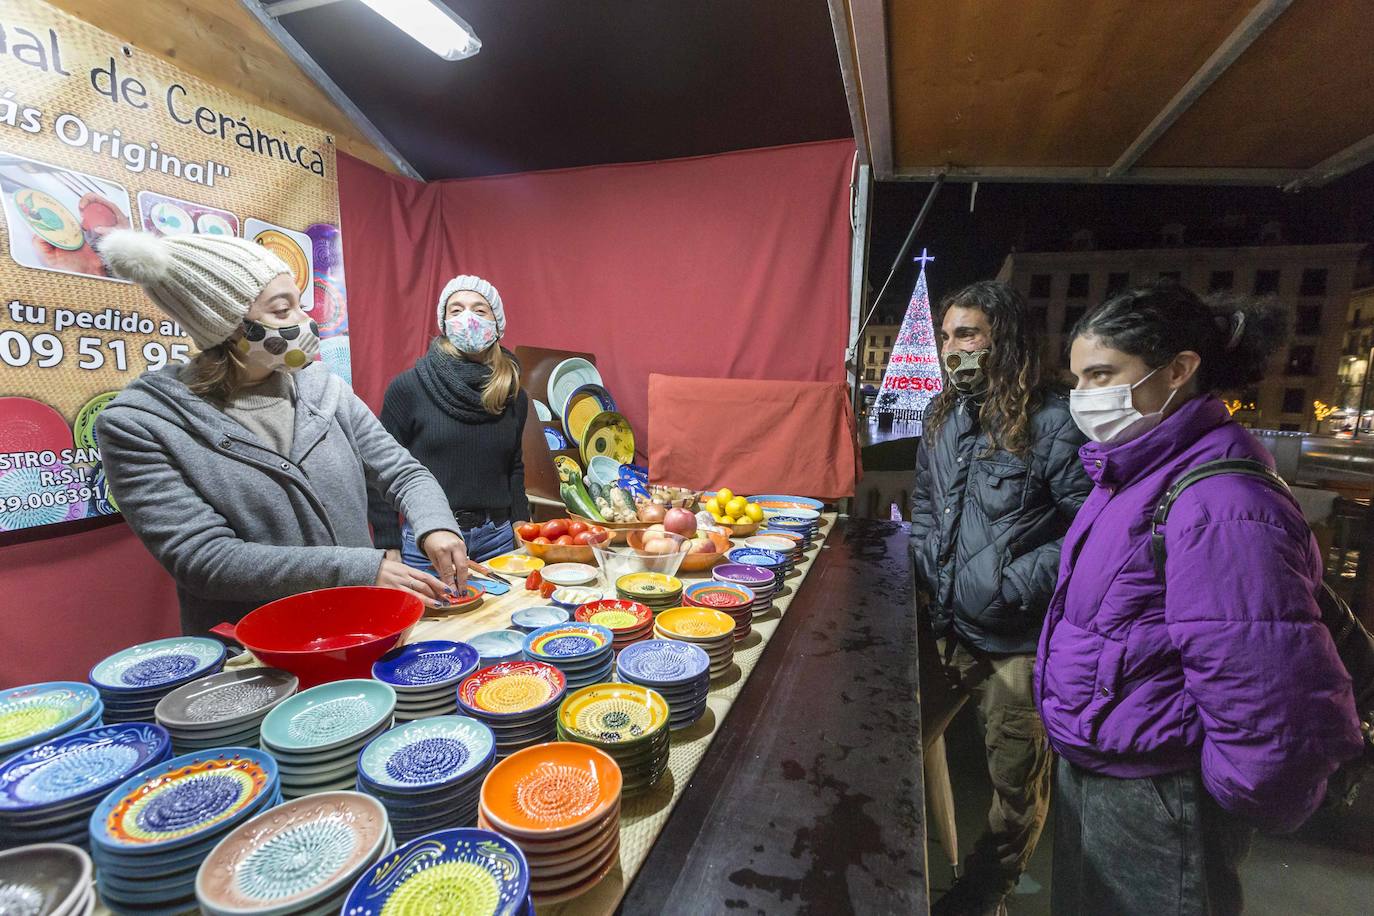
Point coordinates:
[(1272, 92)]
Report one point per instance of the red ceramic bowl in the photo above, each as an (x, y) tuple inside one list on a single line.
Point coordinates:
[(327, 635)]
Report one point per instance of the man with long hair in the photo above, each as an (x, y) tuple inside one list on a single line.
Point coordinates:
[(998, 480)]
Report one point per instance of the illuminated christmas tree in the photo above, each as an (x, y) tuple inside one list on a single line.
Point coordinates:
[(913, 377)]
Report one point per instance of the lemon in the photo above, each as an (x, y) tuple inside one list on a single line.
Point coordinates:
[(735, 507), (713, 506), (754, 511), (723, 497), (720, 518), (743, 520)]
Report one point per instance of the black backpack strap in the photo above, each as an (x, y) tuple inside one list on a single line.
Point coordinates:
[(1244, 466)]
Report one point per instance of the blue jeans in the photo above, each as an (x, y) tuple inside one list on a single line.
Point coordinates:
[(487, 540)]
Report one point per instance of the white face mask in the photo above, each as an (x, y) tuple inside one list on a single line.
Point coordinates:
[(1108, 415)]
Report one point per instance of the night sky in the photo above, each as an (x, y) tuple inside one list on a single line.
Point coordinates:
[(970, 246)]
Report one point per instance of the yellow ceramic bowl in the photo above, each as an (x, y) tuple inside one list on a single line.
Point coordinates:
[(649, 584), (614, 715), (514, 564), (695, 624)]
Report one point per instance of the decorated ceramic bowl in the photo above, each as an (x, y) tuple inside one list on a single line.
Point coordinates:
[(45, 878), (329, 716), (453, 871), (520, 689), (34, 713), (550, 789), (424, 665), (428, 755), (722, 596), (567, 643), (773, 502), (662, 663), (533, 618), (80, 765), (695, 624), (151, 666), (614, 714), (225, 700), (616, 615), (496, 646)]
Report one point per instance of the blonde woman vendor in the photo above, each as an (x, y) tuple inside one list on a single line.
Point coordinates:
[(246, 471), (460, 411)]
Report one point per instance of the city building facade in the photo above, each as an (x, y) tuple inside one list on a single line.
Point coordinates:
[(877, 350)]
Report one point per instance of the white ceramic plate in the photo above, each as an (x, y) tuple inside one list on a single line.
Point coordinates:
[(569, 574), (568, 376)]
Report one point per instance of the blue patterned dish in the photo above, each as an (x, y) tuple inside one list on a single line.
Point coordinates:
[(498, 646), (533, 618), (32, 714), (328, 716), (567, 643), (152, 666), (422, 666), (79, 765), (757, 556), (458, 871), (662, 663), (428, 755)]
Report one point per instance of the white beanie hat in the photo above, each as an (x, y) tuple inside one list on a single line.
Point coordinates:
[(480, 287), (206, 282)]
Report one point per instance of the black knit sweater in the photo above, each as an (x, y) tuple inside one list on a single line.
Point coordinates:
[(480, 465)]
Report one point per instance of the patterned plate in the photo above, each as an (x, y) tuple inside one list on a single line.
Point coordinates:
[(616, 615), (498, 644), (614, 714), (37, 712), (79, 765), (428, 755), (695, 624), (188, 798), (44, 879), (754, 556), (720, 595), (328, 716), (567, 642), (550, 789), (151, 666), (225, 700), (512, 689), (744, 574), (426, 664), (649, 584), (662, 662), (798, 523), (776, 501), (532, 618), (569, 574), (452, 871)]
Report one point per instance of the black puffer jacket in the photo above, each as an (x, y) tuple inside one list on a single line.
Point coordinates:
[(986, 527)]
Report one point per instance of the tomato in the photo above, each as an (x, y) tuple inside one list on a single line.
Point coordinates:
[(528, 531), (555, 529), (565, 540), (533, 581), (541, 540), (598, 534), (587, 537), (547, 590), (577, 528)]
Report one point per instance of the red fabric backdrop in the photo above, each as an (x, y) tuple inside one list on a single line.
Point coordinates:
[(730, 266)]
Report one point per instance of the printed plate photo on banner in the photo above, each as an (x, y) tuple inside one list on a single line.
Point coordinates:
[(52, 214), (295, 248), (95, 134), (163, 215)]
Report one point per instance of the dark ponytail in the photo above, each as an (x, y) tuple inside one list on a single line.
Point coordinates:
[(1235, 336)]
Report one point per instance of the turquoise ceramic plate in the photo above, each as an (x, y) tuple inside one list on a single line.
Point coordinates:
[(161, 663), (328, 716)]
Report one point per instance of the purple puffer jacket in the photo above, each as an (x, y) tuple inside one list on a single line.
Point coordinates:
[(1231, 668)]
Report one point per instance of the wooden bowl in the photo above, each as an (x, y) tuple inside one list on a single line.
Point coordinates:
[(619, 530), (742, 531), (700, 562), (561, 553)]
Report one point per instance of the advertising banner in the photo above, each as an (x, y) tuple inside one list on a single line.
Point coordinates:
[(96, 135)]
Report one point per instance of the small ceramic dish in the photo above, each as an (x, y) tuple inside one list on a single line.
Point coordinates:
[(569, 574), (495, 646), (444, 867), (520, 689), (575, 596), (152, 666), (533, 618), (428, 755), (514, 564), (550, 789), (328, 716), (32, 714), (225, 700), (424, 666)]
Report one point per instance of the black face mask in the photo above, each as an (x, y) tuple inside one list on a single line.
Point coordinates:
[(965, 370)]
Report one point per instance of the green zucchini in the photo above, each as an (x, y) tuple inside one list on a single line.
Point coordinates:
[(578, 502)]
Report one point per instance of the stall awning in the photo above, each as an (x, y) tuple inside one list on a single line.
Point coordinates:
[(1274, 92)]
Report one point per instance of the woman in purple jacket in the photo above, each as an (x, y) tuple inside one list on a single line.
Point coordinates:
[(1190, 710)]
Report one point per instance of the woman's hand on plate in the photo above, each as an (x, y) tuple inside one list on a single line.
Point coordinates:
[(395, 574), (449, 556)]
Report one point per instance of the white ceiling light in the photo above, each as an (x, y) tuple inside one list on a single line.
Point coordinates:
[(432, 24)]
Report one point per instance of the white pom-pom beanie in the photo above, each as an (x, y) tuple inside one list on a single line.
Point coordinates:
[(480, 287), (206, 282)]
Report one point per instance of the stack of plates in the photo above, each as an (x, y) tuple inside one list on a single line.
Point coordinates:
[(50, 878), (762, 582), (497, 646), (560, 803), (301, 857), (48, 792), (584, 652), (713, 631), (425, 676), (628, 621), (735, 600), (803, 522), (466, 871), (771, 560), (657, 591), (532, 618), (132, 681), (627, 721), (316, 735), (518, 701), (150, 835), (223, 710), (33, 714), (678, 671), (779, 504), (428, 773), (790, 547)]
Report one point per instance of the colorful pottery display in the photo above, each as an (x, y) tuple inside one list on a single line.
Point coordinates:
[(425, 675), (567, 377), (732, 599), (762, 582), (609, 434), (163, 822), (654, 590), (529, 619), (518, 701), (712, 630), (468, 871), (316, 735), (789, 547), (428, 773), (497, 646), (132, 681), (34, 713), (584, 652), (774, 503), (582, 406), (46, 878), (771, 560), (225, 709), (679, 671), (569, 574), (299, 857), (627, 721), (806, 528), (628, 621)]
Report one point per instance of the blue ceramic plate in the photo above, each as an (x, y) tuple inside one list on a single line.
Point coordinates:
[(425, 665), (482, 869), (756, 556), (662, 663), (152, 666), (568, 643), (188, 800), (81, 765), (555, 439), (329, 716), (533, 618), (599, 394), (427, 755), (32, 714), (796, 523), (498, 645)]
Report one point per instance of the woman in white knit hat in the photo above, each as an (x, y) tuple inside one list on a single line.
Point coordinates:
[(246, 471), (460, 412)]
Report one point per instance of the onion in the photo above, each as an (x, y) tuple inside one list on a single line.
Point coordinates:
[(652, 512)]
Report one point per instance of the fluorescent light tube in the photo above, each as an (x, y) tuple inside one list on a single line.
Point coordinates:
[(432, 24)]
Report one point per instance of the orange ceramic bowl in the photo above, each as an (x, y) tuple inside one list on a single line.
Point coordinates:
[(700, 562), (550, 789)]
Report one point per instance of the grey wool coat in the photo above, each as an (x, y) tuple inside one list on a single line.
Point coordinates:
[(238, 525)]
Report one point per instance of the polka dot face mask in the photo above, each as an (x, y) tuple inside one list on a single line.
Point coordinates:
[(287, 349)]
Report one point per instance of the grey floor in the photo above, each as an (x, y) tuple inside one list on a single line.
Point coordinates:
[(1325, 869)]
